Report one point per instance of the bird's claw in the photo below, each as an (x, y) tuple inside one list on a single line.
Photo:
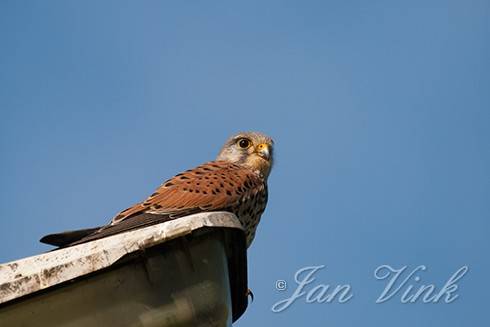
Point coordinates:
[(250, 293)]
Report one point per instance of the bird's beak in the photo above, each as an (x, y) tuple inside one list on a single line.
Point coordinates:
[(263, 151)]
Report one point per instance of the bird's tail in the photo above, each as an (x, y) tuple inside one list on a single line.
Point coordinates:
[(68, 237)]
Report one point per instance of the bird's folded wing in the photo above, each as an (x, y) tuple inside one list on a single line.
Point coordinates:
[(212, 186)]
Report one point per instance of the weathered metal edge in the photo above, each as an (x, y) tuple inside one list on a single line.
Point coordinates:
[(28, 275)]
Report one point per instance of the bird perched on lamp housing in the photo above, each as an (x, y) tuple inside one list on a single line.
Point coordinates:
[(236, 182)]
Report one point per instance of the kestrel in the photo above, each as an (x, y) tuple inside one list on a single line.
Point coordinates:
[(235, 182)]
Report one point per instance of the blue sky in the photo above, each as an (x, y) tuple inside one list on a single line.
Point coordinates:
[(380, 111)]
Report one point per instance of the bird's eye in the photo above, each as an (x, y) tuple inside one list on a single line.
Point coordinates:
[(243, 143)]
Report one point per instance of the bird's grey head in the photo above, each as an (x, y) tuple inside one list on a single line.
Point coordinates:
[(253, 150)]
